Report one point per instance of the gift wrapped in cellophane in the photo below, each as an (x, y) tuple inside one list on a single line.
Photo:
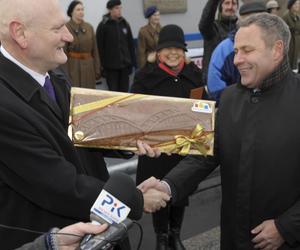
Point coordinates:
[(115, 120)]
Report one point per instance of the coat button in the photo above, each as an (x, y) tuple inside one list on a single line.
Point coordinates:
[(175, 80), (254, 99)]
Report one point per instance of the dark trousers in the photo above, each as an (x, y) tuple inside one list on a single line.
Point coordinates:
[(168, 219), (117, 79)]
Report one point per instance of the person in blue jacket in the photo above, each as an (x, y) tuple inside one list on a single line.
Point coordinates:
[(221, 71)]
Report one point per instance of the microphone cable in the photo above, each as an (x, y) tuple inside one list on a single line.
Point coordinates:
[(36, 232), (141, 234)]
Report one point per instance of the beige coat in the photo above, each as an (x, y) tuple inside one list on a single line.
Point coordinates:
[(293, 21), (147, 41), (82, 72)]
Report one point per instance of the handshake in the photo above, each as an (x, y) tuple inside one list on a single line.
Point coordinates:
[(156, 193)]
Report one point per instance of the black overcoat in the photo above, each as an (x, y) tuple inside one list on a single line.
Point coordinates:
[(257, 145), (43, 180), (115, 43)]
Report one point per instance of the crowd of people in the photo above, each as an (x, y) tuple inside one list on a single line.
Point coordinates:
[(47, 183)]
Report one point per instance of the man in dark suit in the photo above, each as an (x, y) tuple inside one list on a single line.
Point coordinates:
[(43, 181)]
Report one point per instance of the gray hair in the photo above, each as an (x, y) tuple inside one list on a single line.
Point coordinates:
[(9, 12), (273, 27)]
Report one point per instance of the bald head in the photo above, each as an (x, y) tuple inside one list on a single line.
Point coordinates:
[(24, 12)]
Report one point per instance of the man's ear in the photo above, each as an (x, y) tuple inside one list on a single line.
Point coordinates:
[(278, 50), (17, 33)]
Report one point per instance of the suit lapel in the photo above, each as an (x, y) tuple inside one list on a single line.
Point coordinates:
[(26, 87), (62, 96), (51, 104)]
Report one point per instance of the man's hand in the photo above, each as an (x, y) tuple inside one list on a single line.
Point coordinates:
[(145, 149), (154, 200), (70, 242), (152, 182), (267, 236)]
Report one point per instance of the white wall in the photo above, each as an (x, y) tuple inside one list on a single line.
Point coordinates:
[(94, 10), (133, 12)]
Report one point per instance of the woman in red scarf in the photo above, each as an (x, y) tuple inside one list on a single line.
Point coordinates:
[(167, 73)]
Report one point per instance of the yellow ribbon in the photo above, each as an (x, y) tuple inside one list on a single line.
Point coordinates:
[(103, 103), (198, 139)]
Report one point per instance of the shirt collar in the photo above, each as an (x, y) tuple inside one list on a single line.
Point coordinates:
[(36, 76)]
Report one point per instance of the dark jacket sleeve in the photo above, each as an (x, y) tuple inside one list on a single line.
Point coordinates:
[(185, 177), (288, 225), (141, 48), (38, 243), (100, 36), (52, 191), (131, 45), (96, 56), (137, 86), (206, 24)]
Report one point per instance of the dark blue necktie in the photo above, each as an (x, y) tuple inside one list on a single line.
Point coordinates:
[(49, 88)]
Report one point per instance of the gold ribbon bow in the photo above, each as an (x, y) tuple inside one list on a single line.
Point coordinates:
[(198, 139)]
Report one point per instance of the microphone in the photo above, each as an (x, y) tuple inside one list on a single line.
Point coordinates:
[(118, 199)]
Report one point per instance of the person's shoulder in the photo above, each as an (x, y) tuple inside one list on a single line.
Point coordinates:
[(232, 91), (191, 66), (193, 73), (143, 29), (68, 24), (294, 78), (147, 70), (58, 74), (87, 25), (286, 16), (123, 20), (225, 47), (105, 19)]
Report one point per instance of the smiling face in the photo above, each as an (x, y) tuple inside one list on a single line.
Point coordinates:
[(171, 56), (229, 7), (296, 7), (253, 58), (46, 36)]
